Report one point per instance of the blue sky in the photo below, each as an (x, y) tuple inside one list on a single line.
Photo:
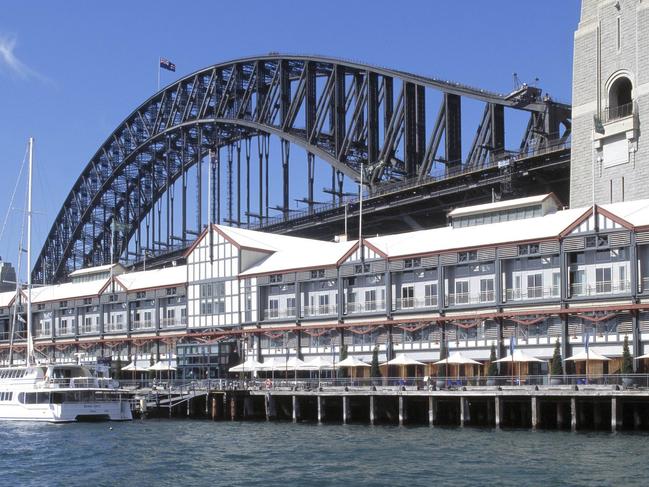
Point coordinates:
[(70, 71)]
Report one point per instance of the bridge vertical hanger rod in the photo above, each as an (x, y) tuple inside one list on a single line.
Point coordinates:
[(286, 148), (238, 183), (453, 131), (216, 193), (372, 118), (311, 178), (168, 170), (230, 198), (152, 196), (266, 156), (260, 153), (247, 143), (183, 202), (199, 184)]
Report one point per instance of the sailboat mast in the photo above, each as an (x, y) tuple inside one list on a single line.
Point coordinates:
[(29, 255)]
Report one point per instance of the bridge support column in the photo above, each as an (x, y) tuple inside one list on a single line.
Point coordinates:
[(498, 412), (573, 414), (402, 410), (613, 413), (535, 412), (345, 409), (372, 411)]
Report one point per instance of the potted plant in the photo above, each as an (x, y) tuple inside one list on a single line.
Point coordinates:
[(492, 371), (375, 372), (441, 369), (627, 364), (556, 366)]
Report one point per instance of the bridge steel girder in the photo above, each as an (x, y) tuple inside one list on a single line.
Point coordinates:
[(289, 97)]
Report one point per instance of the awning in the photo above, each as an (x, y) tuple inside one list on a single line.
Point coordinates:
[(137, 366), (317, 364)]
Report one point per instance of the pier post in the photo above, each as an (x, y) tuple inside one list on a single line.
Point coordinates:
[(345, 409), (402, 410), (498, 412), (559, 415), (613, 413), (233, 408), (214, 408), (462, 410), (431, 410), (636, 417), (267, 399), (372, 419), (573, 414), (320, 410), (535, 413), (295, 408)]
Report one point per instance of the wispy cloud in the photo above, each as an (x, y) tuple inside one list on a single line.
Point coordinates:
[(10, 62)]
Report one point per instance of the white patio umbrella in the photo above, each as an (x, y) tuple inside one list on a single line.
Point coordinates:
[(272, 364), (645, 356), (352, 362), (456, 358), (294, 363), (318, 364), (403, 360), (588, 356), (250, 365), (162, 366), (518, 357), (136, 367)]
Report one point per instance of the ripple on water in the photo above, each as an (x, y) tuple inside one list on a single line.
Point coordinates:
[(175, 452)]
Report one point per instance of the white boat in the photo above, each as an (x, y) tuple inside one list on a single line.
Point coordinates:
[(56, 392), (60, 393)]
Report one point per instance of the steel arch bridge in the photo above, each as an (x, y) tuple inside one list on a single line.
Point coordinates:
[(340, 112)]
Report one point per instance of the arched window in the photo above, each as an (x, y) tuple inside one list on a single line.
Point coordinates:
[(620, 101)]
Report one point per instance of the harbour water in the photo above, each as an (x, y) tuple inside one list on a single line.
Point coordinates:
[(191, 452)]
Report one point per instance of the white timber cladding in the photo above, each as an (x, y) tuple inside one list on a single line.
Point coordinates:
[(214, 295), (368, 253), (588, 225)]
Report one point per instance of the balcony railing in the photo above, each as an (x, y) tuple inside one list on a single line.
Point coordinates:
[(173, 323), (535, 292), (600, 287), (63, 332), (615, 113), (417, 303), (645, 285), (321, 310), (114, 327), (89, 330), (142, 325), (279, 313), (458, 299), (365, 307)]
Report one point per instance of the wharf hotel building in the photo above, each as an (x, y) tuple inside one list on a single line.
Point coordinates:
[(521, 268), (526, 270)]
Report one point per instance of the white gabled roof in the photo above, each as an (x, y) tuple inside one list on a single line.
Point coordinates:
[(449, 238), (69, 290), (270, 242), (635, 212), (309, 254), (6, 297), (154, 278), (501, 205), (94, 270)]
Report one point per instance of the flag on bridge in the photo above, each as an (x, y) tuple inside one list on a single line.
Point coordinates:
[(168, 65)]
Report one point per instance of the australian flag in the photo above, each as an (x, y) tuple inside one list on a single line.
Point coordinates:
[(168, 65), (512, 345)]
